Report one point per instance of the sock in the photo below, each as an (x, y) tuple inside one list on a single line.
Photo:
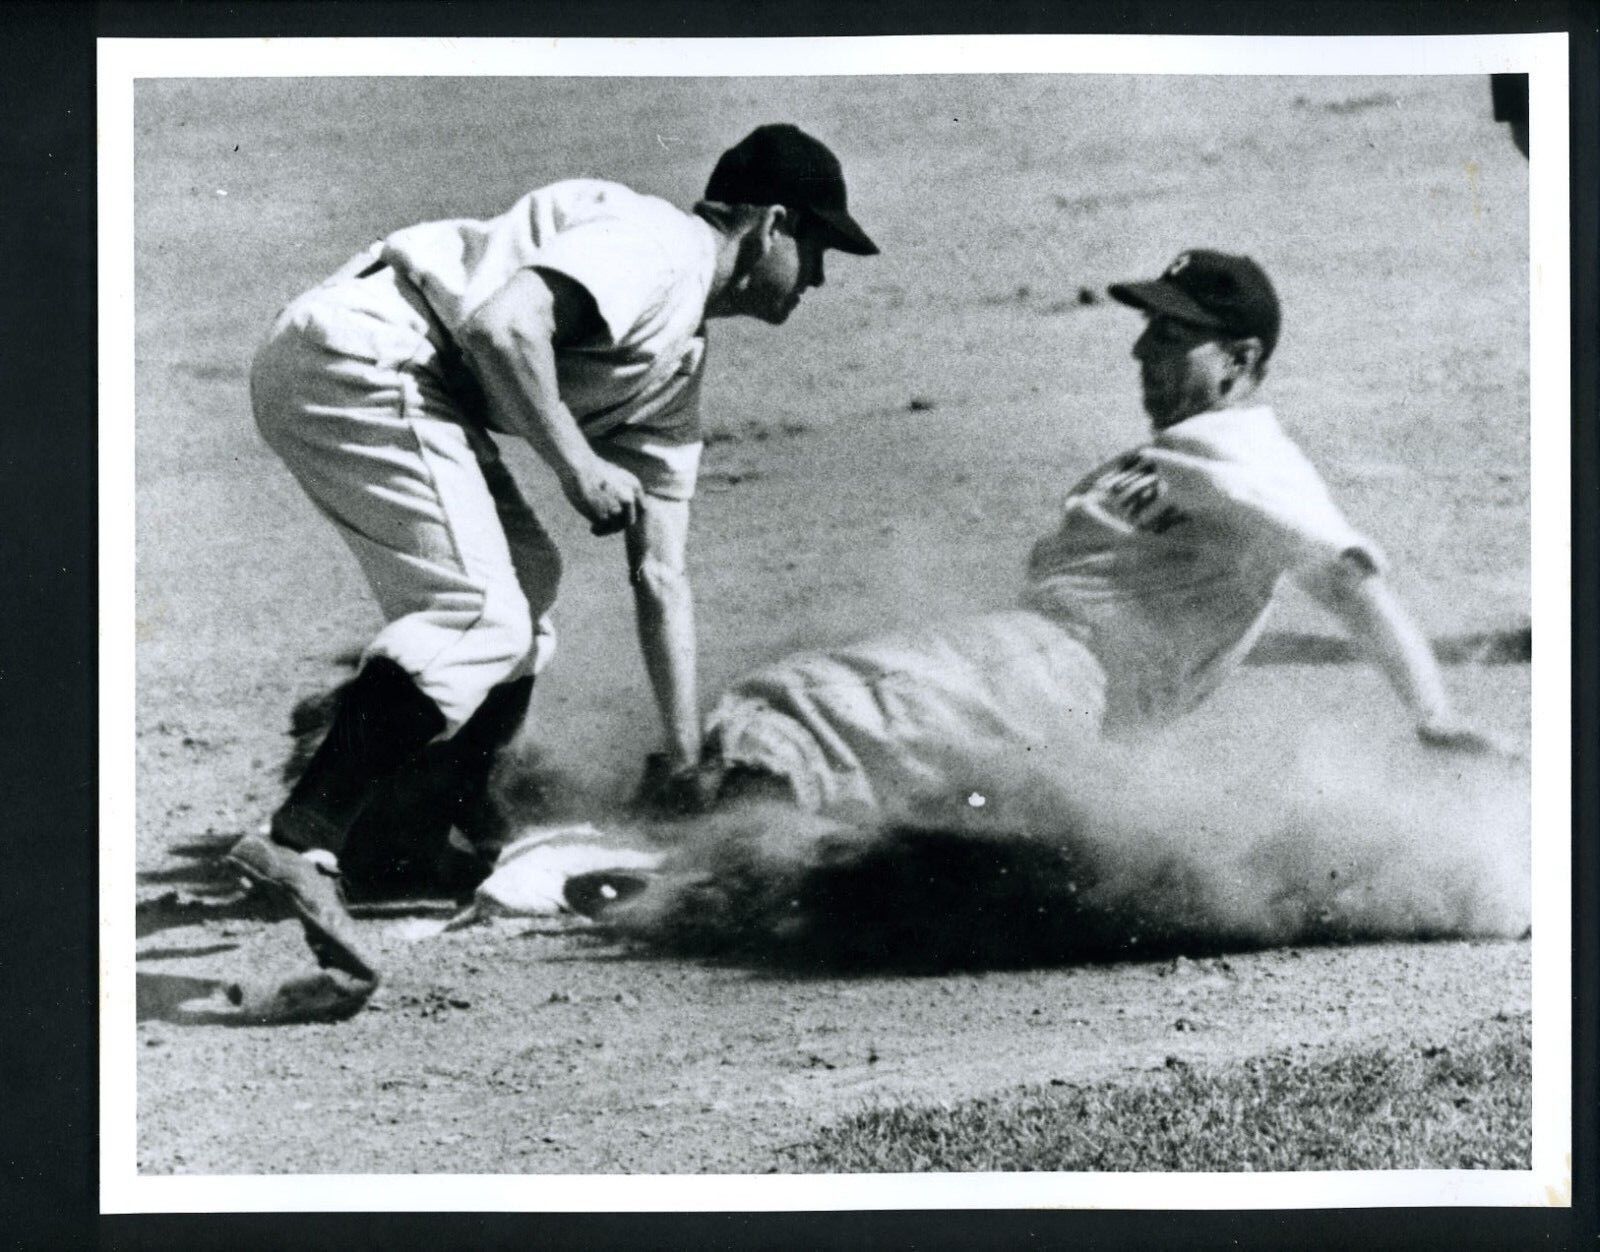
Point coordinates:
[(382, 720), (474, 749)]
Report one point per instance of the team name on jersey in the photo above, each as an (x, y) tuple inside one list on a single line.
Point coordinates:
[(1132, 488)]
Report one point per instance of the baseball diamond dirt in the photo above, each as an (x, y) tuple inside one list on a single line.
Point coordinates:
[(885, 460)]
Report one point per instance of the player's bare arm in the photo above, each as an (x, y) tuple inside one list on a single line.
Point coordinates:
[(511, 341), (657, 548), (1359, 595)]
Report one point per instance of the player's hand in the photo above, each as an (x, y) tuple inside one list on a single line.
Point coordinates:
[(1448, 735), (608, 495), (669, 789)]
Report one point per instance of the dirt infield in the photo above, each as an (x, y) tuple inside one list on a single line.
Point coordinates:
[(938, 400)]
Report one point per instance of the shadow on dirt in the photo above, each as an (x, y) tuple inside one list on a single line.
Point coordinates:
[(179, 953), (191, 874), (201, 865), (181, 999), (312, 995), (1493, 647), (171, 910)]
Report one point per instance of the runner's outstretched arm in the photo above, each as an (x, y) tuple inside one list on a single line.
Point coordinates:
[(1363, 600)]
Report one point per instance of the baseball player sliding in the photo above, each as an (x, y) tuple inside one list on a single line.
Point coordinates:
[(1146, 595), (576, 320)]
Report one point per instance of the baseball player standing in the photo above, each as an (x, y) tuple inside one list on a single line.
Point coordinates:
[(1150, 591), (576, 320)]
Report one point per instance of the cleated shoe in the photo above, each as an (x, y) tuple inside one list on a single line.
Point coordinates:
[(462, 867), (313, 893), (329, 995)]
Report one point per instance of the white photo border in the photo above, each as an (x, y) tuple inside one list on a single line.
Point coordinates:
[(1544, 57)]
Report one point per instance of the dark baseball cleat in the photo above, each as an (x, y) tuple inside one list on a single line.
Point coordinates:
[(313, 894), (593, 893)]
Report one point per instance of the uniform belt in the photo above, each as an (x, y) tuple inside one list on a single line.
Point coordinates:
[(452, 370), (411, 294)]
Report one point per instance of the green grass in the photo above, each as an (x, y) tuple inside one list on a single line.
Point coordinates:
[(1462, 1105)]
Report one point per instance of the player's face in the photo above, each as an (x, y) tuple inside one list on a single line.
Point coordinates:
[(1182, 368), (783, 273)]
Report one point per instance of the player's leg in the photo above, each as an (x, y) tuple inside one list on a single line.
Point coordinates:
[(481, 823), (405, 491), (481, 818), (902, 721), (443, 825)]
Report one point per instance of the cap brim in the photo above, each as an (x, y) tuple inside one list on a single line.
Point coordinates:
[(1163, 297), (840, 231)]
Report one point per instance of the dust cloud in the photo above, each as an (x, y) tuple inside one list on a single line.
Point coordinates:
[(1125, 852)]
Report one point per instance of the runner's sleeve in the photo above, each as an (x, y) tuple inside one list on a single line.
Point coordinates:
[(1281, 513)]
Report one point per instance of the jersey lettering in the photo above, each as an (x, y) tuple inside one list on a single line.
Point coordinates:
[(1132, 488)]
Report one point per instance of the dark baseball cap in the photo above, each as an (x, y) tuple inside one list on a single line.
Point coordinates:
[(781, 164), (1212, 289)]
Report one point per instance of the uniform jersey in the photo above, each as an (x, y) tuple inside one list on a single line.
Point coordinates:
[(648, 267), (1167, 557), (363, 392)]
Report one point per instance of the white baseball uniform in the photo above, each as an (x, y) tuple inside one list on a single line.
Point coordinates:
[(1153, 587), (363, 392)]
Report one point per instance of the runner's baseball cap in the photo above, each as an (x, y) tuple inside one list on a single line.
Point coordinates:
[(1214, 289), (781, 164)]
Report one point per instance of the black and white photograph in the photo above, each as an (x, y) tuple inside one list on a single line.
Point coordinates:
[(922, 622)]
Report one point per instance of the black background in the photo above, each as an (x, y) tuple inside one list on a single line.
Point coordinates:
[(48, 626)]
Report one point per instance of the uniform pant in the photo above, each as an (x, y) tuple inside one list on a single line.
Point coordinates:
[(911, 720), (346, 392)]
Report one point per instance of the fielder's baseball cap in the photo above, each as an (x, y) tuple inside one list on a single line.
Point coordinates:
[(781, 164), (1214, 289)]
